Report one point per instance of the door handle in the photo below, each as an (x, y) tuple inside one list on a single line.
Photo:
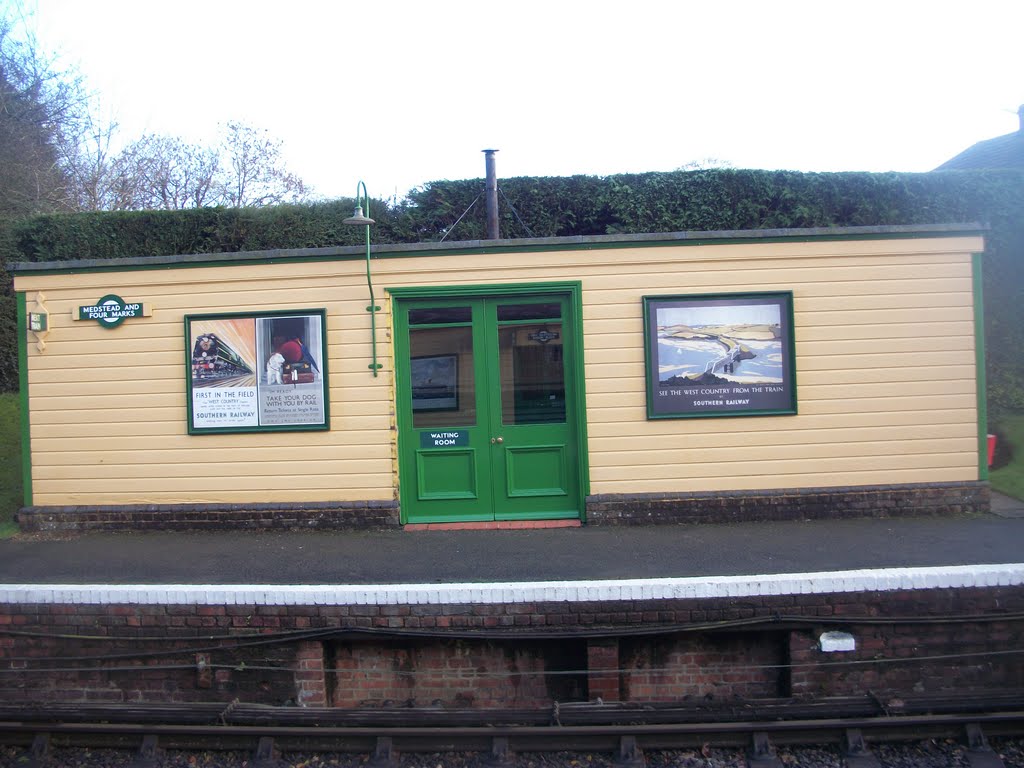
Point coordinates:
[(498, 440)]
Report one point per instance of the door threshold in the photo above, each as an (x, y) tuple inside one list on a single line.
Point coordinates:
[(494, 525)]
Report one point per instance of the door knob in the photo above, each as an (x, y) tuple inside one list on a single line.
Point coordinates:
[(498, 440)]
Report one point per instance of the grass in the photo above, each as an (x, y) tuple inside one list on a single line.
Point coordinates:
[(11, 497), (1010, 478)]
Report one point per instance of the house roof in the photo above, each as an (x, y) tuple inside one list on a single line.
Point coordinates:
[(1001, 152)]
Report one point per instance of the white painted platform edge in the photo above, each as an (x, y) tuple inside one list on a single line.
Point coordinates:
[(689, 588)]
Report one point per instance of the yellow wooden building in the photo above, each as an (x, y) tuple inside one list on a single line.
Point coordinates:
[(662, 377)]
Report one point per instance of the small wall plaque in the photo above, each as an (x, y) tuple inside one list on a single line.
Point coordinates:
[(38, 322)]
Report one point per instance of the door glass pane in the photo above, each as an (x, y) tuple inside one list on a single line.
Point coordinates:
[(552, 311), (443, 392), (439, 315), (532, 374)]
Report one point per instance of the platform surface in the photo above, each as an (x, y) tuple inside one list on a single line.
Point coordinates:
[(514, 556)]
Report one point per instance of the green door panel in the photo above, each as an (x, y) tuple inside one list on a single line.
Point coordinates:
[(446, 474), (538, 470)]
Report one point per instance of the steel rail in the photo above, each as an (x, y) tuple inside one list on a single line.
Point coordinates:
[(559, 713), (810, 731)]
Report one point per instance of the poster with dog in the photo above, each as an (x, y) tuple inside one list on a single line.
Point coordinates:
[(257, 371)]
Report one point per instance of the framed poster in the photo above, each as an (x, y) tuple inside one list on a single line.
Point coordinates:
[(257, 371), (720, 355), (435, 383)]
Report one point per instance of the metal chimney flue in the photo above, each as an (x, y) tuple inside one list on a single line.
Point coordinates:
[(492, 196)]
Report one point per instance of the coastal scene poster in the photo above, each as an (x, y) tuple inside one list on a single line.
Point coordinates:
[(719, 355)]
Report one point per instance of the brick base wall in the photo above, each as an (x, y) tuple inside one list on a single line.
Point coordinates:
[(789, 504), (193, 517), (519, 655), (604, 509)]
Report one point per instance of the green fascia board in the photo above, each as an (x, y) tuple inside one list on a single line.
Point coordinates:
[(979, 366), (26, 437), (524, 245), (573, 287)]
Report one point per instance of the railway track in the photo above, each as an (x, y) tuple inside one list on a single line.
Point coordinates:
[(625, 734)]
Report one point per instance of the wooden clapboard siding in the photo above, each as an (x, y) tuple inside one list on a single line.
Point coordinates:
[(783, 438), (703, 461), (885, 372), (109, 430), (133, 450), (58, 428), (885, 378), (799, 477), (806, 425)]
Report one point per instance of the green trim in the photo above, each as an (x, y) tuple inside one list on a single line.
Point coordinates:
[(579, 369), (481, 291), (326, 389), (26, 432), (979, 366), (483, 247)]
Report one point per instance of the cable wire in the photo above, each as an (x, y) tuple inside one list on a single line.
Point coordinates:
[(520, 633), (251, 640), (453, 226), (515, 212), (476, 674)]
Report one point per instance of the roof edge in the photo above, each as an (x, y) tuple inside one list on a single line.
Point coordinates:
[(575, 242)]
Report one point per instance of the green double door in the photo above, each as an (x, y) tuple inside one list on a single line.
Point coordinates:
[(487, 408)]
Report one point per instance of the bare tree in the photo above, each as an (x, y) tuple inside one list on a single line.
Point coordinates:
[(253, 172), (57, 154), (97, 177), (169, 173), (41, 108)]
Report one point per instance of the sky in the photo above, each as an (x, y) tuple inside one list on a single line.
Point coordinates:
[(398, 93)]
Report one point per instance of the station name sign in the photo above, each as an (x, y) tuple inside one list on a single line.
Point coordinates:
[(110, 311)]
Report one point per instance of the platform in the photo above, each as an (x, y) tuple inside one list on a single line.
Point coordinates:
[(516, 618), (577, 556)]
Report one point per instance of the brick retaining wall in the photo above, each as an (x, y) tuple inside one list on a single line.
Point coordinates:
[(512, 655)]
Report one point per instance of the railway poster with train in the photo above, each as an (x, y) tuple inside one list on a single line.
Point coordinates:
[(720, 355), (257, 371)]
